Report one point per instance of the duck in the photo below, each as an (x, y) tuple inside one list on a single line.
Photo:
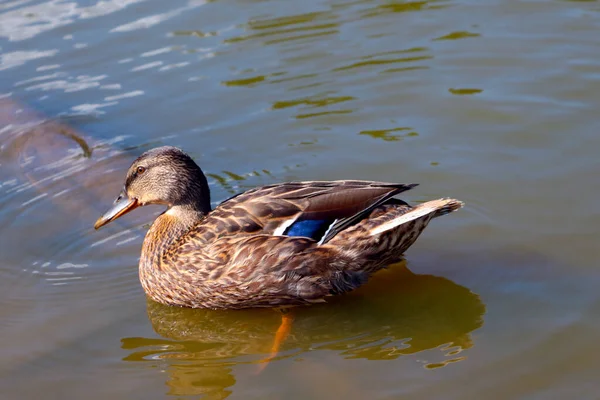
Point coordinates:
[(278, 246)]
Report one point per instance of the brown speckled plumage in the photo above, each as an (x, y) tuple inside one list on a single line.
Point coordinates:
[(238, 255)]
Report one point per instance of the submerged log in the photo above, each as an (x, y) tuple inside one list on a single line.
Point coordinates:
[(54, 160)]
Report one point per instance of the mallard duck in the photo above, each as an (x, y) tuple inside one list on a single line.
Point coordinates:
[(280, 245)]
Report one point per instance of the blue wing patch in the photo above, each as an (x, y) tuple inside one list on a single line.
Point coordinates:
[(311, 228)]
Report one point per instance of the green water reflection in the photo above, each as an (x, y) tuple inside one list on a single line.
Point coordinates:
[(398, 313), (388, 134)]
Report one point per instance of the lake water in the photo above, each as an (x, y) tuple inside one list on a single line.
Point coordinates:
[(493, 103)]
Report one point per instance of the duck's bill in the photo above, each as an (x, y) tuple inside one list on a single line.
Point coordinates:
[(122, 205)]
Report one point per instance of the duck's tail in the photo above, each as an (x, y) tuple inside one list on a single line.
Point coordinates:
[(391, 229), (423, 212)]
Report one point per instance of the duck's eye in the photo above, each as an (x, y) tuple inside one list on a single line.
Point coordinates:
[(140, 170)]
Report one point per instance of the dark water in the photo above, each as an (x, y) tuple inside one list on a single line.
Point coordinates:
[(494, 103)]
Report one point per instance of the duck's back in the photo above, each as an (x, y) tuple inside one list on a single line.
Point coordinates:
[(283, 208)]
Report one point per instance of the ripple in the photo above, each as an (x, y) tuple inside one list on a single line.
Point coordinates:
[(18, 58), (458, 35), (323, 113), (376, 60), (464, 91), (133, 93), (406, 6), (156, 52), (293, 78), (173, 66), (152, 20), (27, 22), (245, 81), (149, 65), (117, 235), (289, 28), (59, 276), (40, 78), (47, 67), (69, 85), (87, 109), (33, 200), (317, 101), (388, 134)]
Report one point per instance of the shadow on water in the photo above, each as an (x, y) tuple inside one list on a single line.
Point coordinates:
[(398, 313)]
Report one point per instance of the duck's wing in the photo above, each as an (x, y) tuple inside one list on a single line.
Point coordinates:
[(315, 209)]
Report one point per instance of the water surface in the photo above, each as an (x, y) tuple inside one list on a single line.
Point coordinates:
[(493, 103)]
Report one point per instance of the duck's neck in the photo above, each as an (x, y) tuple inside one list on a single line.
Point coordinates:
[(164, 232)]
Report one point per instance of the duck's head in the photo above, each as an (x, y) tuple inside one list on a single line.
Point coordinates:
[(164, 175)]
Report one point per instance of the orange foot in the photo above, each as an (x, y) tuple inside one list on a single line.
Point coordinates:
[(282, 333)]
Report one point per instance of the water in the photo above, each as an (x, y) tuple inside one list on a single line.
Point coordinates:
[(495, 104)]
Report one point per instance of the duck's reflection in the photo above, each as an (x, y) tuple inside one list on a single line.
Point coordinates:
[(397, 313)]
